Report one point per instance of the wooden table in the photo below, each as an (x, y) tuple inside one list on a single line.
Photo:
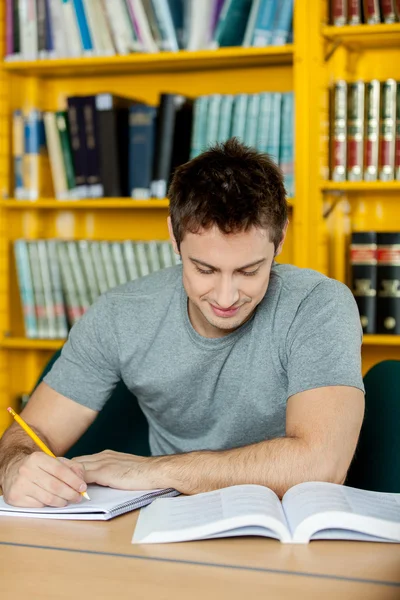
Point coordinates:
[(44, 559)]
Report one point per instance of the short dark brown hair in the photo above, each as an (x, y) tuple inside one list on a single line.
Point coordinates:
[(232, 186)]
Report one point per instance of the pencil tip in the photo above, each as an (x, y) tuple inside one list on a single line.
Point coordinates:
[(86, 495)]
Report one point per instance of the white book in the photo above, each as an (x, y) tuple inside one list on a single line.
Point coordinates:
[(121, 27), (75, 47), (102, 41), (144, 32), (308, 511), (28, 29), (104, 504), (199, 19), (59, 32), (56, 157)]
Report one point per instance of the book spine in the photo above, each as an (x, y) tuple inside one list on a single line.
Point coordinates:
[(232, 23), (339, 131), (18, 153), (176, 8), (31, 155), (152, 256), (88, 269), (275, 127), (79, 279), (130, 260), (56, 15), (388, 11), (239, 116), (85, 36), (286, 142), (372, 130), (282, 23), (69, 291), (388, 285), (355, 131), (165, 25), (94, 183), (78, 144), (165, 255), (143, 29), (372, 13), (354, 12), (71, 26), (251, 23), (110, 158), (38, 289), (253, 109), (397, 148), (387, 130), (214, 108), (396, 7), (28, 29), (363, 263), (108, 265), (26, 288), (141, 149), (339, 12), (9, 28), (55, 276), (41, 28), (56, 159), (98, 26), (50, 49), (141, 259), (118, 262), (225, 117), (16, 29), (99, 269), (121, 26), (62, 128), (198, 140), (49, 302), (264, 119)]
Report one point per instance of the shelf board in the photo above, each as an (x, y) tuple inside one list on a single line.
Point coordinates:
[(28, 344), (95, 204), (364, 36), (360, 186), (98, 204), (381, 340), (234, 57)]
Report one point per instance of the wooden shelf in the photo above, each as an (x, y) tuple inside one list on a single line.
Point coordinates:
[(381, 340), (95, 204), (364, 36), (234, 57), (28, 344), (98, 204), (360, 186)]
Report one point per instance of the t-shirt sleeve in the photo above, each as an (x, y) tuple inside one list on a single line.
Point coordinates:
[(88, 368), (323, 345)]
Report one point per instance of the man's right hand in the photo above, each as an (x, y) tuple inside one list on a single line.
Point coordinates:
[(37, 480)]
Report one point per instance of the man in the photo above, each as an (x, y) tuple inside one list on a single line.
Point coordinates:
[(247, 371)]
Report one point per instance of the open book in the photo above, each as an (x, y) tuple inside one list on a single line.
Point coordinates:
[(308, 511), (105, 503)]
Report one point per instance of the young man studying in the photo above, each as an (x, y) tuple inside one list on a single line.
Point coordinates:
[(247, 371)]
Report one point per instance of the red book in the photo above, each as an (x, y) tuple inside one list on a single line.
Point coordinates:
[(339, 12), (9, 28), (388, 11), (354, 12), (372, 12)]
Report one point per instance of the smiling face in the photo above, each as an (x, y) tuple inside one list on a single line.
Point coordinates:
[(225, 277)]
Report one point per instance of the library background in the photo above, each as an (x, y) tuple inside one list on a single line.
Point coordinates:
[(101, 99)]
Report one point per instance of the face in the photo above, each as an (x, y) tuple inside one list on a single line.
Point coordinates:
[(225, 277)]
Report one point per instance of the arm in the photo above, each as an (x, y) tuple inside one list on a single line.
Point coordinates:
[(322, 429), (28, 476)]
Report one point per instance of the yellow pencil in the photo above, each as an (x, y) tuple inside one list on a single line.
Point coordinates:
[(36, 439)]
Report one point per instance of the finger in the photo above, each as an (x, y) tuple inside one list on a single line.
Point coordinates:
[(54, 487), (48, 498), (88, 458), (63, 473), (31, 502), (75, 467)]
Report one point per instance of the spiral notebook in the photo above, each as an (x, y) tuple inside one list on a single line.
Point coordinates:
[(104, 504)]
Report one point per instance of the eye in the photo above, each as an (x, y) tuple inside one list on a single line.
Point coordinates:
[(204, 271), (250, 273)]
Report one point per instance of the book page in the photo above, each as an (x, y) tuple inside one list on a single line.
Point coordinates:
[(308, 500), (201, 515)]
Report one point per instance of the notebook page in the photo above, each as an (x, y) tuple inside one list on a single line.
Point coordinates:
[(309, 499), (201, 515), (102, 500)]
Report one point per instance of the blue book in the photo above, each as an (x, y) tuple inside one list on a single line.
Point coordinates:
[(232, 23), (18, 153), (198, 141), (286, 142), (264, 120), (275, 127), (177, 12), (239, 117), (49, 29), (142, 125), (264, 23), (282, 23), (83, 26), (253, 109)]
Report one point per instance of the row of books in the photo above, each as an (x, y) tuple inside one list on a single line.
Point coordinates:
[(365, 131), (41, 29), (109, 146), (59, 280), (355, 12), (375, 280)]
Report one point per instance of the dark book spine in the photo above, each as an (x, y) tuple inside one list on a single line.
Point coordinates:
[(372, 12), (41, 27), (49, 29), (169, 105), (16, 28), (354, 12), (339, 12), (93, 179), (141, 149), (78, 143), (182, 136), (388, 285), (363, 265), (397, 147), (388, 11), (9, 28)]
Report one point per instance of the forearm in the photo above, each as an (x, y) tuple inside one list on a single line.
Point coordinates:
[(278, 464), (16, 443)]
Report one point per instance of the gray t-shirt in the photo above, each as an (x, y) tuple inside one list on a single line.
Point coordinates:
[(202, 393)]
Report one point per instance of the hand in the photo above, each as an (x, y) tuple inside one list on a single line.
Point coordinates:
[(121, 471), (39, 480)]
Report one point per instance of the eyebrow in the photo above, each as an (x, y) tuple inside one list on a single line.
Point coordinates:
[(204, 264)]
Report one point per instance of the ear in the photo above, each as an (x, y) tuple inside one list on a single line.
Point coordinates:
[(284, 232), (172, 237)]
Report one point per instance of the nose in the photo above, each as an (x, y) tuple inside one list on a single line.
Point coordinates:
[(227, 293)]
